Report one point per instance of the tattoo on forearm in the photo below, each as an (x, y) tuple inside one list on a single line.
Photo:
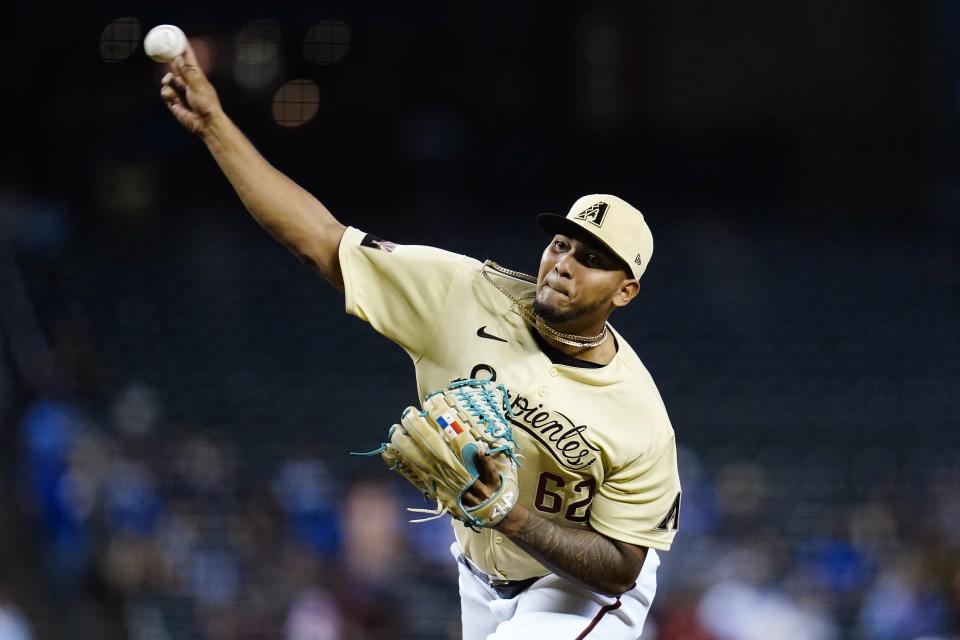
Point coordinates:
[(582, 555)]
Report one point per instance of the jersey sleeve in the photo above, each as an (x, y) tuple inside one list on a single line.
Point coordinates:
[(640, 503), (399, 289)]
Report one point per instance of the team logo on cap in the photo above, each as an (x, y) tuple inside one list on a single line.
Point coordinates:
[(638, 259), (593, 214)]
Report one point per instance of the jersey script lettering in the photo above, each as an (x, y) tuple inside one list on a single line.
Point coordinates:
[(564, 439)]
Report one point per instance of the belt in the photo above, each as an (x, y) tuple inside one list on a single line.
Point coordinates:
[(506, 589)]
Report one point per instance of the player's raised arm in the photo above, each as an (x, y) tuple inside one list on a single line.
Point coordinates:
[(288, 212)]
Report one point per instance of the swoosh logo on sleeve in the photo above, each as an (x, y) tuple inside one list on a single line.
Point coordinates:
[(482, 332)]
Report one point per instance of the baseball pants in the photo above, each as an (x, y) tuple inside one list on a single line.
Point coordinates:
[(555, 608)]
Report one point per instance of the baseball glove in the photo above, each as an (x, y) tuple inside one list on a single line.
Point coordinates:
[(436, 450)]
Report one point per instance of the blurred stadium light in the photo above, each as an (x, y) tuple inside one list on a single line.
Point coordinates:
[(120, 39), (327, 42), (257, 55), (296, 103)]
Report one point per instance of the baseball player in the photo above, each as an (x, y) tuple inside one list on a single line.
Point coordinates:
[(599, 493)]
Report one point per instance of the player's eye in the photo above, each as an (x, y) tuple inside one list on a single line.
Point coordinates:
[(560, 245), (592, 259)]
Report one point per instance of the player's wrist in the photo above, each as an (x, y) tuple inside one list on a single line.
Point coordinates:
[(216, 126), (514, 521)]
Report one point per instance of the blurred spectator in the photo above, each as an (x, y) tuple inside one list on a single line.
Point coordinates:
[(373, 564), (13, 623), (314, 615), (738, 610), (372, 533), (902, 603), (679, 620), (59, 500), (699, 499), (308, 493)]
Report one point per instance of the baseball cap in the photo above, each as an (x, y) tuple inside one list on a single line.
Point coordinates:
[(612, 222)]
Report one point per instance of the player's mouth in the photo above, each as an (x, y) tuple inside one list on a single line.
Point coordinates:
[(559, 290)]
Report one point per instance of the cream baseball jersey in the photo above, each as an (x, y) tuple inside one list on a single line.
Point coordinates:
[(598, 448)]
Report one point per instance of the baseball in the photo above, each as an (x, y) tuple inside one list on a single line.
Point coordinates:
[(165, 42)]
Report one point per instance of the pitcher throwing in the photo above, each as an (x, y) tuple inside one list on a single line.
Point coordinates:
[(574, 553)]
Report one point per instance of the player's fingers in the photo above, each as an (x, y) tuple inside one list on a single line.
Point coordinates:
[(488, 469), (176, 108), (174, 70), (475, 494), (173, 80), (180, 111), (183, 71), (187, 66), (184, 116), (488, 482), (178, 89), (170, 94), (190, 56)]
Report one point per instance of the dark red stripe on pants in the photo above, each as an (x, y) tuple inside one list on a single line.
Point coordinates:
[(596, 619)]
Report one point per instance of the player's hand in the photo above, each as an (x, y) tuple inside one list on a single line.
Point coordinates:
[(486, 485), (188, 93)]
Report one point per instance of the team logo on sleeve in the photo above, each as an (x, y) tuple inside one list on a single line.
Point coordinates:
[(671, 521), (373, 242)]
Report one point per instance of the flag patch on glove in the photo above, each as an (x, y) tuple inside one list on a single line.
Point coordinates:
[(450, 425), (435, 450)]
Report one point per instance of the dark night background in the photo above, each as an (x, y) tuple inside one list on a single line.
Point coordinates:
[(178, 394)]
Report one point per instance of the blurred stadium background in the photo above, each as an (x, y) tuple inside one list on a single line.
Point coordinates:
[(178, 395)]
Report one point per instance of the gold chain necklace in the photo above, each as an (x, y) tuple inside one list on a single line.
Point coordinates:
[(523, 307)]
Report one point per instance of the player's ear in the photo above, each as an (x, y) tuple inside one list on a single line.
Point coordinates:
[(629, 288)]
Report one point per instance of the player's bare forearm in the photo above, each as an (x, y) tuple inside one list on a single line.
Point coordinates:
[(595, 561), (287, 211), (592, 559)]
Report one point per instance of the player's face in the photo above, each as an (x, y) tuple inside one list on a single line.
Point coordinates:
[(580, 280)]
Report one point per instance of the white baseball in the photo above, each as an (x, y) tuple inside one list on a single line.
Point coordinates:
[(165, 42)]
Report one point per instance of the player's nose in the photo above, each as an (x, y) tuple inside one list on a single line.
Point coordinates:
[(564, 265)]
